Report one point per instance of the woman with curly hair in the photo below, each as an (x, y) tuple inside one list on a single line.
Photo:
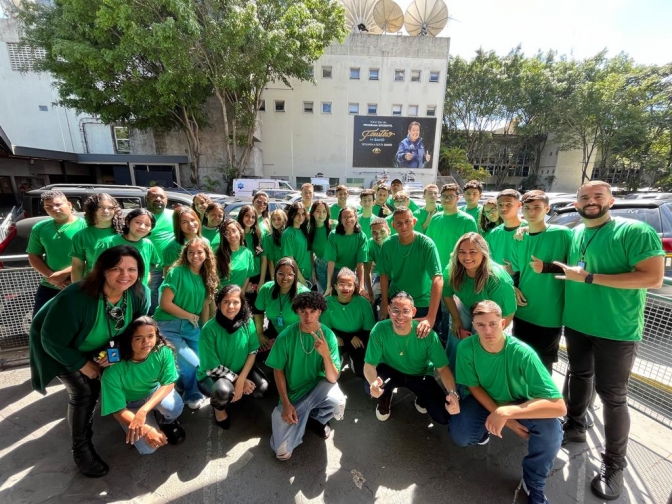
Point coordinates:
[(228, 350), (186, 226), (103, 218), (490, 218), (186, 294), (295, 241), (318, 232), (254, 235), (199, 204), (140, 389), (235, 262), (271, 244)]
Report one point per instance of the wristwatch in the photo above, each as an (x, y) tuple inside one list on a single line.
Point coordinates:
[(589, 278), (454, 392)]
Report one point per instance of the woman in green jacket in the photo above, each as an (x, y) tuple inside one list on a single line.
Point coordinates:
[(73, 335)]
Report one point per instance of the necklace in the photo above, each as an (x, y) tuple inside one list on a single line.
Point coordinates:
[(59, 233), (410, 249), (584, 248), (402, 350), (302, 346)]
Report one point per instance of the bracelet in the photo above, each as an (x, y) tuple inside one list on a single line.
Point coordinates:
[(454, 392)]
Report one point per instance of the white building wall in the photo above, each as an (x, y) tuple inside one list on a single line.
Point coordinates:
[(565, 166)]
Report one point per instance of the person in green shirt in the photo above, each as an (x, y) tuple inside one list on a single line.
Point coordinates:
[(342, 196), (350, 316), (162, 234), (447, 227), (253, 234), (306, 367), (424, 215), (271, 243), (70, 335), (275, 302), (235, 262), (186, 227), (139, 390), (472, 191), (500, 239), (319, 229), (511, 388), (382, 208), (199, 204), (186, 294), (397, 357), (380, 232), (49, 246), (227, 350), (400, 199), (395, 187), (307, 193), (103, 219), (346, 247), (490, 218), (365, 214), (540, 297), (260, 204), (611, 263), (137, 225), (214, 215), (295, 241)]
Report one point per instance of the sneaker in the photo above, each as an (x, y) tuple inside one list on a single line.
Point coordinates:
[(485, 439), (534, 495), (421, 409), (572, 434), (174, 432), (590, 419), (609, 483), (196, 404), (322, 430), (384, 407)]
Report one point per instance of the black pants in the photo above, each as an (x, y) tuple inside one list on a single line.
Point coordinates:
[(83, 394), (609, 363), (252, 296), (356, 355), (429, 394), (544, 340), (221, 391), (42, 295)]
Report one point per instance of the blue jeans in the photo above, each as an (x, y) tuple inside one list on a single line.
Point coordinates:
[(155, 281), (451, 340), (168, 410), (42, 296), (324, 402), (184, 337), (320, 274), (468, 428)]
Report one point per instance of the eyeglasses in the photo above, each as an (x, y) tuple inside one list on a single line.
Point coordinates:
[(491, 211), (286, 275), (449, 197), (396, 312), (262, 203), (116, 313), (342, 285)]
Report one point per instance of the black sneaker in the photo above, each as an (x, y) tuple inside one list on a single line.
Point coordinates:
[(322, 430), (572, 435), (534, 495), (89, 463), (485, 439), (174, 432), (609, 483), (384, 407)]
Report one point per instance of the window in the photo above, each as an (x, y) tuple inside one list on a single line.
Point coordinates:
[(373, 74), (415, 75), (353, 108), (399, 75), (354, 73), (262, 106), (434, 76), (326, 72), (412, 110), (396, 109), (308, 107), (43, 108), (326, 107), (279, 105), (23, 58), (372, 108), (122, 142), (431, 110), (355, 182)]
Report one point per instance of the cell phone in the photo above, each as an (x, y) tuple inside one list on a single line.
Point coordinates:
[(113, 355)]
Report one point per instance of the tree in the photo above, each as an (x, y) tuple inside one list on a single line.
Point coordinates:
[(454, 160)]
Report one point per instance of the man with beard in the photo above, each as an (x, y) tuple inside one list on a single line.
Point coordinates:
[(611, 263), (160, 236)]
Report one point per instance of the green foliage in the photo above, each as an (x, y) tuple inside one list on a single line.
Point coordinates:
[(454, 159)]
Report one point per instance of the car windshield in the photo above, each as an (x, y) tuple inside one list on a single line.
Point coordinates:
[(649, 215)]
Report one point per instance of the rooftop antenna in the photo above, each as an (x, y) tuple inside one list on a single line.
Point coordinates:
[(388, 16), (426, 17), (359, 16)]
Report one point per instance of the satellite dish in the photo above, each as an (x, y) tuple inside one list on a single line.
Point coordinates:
[(426, 17), (388, 16), (359, 16)]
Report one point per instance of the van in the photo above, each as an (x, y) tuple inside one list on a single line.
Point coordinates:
[(247, 187)]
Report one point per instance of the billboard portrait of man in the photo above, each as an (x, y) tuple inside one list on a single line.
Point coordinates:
[(411, 151)]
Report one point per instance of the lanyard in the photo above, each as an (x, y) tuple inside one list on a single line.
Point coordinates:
[(583, 239)]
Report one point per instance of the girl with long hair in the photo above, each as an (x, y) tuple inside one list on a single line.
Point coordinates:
[(346, 248), (227, 351), (140, 389), (271, 244), (186, 294), (260, 204), (254, 235), (138, 224), (199, 204), (103, 218), (318, 232), (295, 241), (490, 218), (71, 334), (235, 262), (214, 215), (186, 226)]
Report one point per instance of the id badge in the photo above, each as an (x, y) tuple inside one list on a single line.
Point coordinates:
[(581, 264), (279, 321), (113, 355)]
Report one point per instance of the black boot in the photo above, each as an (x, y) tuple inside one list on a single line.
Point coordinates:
[(88, 461)]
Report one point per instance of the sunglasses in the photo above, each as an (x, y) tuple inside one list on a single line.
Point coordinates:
[(116, 314)]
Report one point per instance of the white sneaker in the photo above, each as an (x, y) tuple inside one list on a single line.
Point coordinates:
[(196, 404), (420, 408)]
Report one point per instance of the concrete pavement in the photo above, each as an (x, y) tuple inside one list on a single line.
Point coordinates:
[(404, 460)]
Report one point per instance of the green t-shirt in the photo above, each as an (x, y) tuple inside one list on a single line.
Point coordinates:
[(278, 311), (412, 205), (146, 248), (410, 268), (295, 245), (500, 241), (409, 354), (421, 215), (294, 353), (188, 290), (172, 251), (357, 315), (374, 252), (216, 347), (334, 211), (377, 210), (163, 231), (617, 247), (256, 259), (544, 293), (498, 288), (84, 245), (212, 235), (104, 329), (272, 251), (241, 267), (54, 242), (319, 245), (365, 224), (129, 381), (446, 230), (474, 212), (346, 250), (513, 374)]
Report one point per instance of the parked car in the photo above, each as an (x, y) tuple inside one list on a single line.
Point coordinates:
[(278, 193), (233, 208)]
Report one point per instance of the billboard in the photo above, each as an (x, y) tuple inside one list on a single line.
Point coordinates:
[(393, 142)]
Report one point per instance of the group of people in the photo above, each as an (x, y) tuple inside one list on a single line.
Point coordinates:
[(463, 306)]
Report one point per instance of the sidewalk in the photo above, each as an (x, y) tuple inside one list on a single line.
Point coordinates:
[(404, 460)]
